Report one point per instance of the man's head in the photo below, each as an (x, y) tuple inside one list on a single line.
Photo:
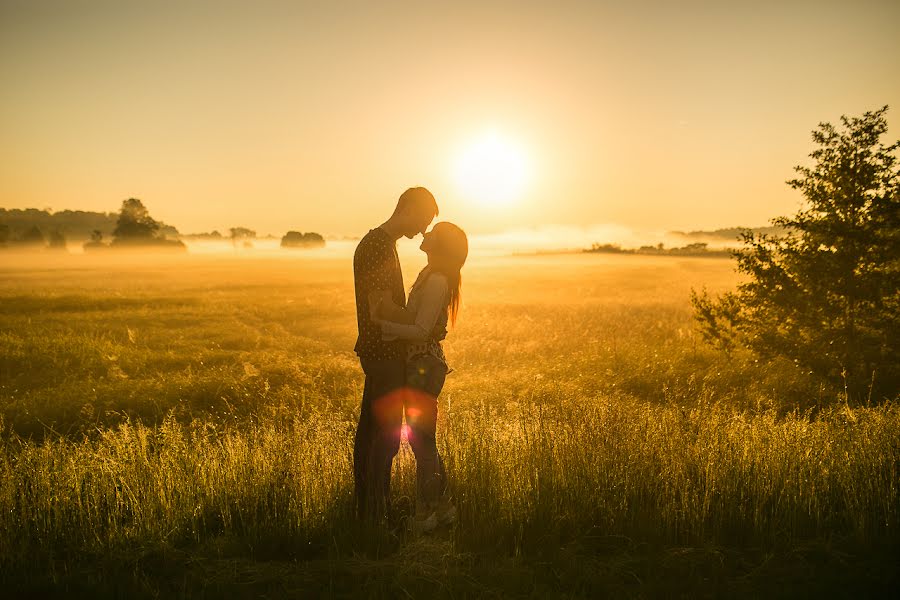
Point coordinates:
[(415, 211)]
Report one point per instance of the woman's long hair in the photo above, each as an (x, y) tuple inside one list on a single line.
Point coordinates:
[(451, 253)]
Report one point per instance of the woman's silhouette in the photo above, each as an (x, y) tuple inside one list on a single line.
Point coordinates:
[(433, 304)]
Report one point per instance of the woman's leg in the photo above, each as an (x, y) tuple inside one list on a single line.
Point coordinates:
[(425, 376)]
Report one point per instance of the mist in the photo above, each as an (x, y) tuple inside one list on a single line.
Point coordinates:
[(539, 239)]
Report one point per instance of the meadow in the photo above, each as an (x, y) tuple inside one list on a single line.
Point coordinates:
[(183, 427)]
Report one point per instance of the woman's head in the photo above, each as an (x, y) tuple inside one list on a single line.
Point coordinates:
[(446, 245), (447, 248)]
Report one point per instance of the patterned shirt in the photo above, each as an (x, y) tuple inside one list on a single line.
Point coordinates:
[(376, 268)]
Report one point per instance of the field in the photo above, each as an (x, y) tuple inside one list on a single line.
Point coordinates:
[(183, 426)]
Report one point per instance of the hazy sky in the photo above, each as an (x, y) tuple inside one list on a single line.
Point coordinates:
[(316, 116)]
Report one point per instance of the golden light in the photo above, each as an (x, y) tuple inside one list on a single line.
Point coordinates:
[(492, 170)]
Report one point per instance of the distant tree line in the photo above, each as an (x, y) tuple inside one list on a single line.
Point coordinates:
[(135, 228), (31, 238), (74, 225), (234, 234), (695, 249), (132, 227), (731, 233), (244, 237), (213, 235)]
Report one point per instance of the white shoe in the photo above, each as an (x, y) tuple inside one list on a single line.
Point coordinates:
[(420, 526)]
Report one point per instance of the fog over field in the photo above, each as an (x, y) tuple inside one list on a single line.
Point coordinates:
[(544, 238)]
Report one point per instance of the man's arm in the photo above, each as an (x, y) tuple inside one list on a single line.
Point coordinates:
[(375, 298), (378, 281)]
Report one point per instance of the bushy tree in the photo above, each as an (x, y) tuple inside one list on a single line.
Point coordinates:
[(96, 242), (135, 223), (295, 239), (241, 233), (826, 293)]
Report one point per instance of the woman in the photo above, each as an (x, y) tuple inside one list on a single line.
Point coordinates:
[(433, 304)]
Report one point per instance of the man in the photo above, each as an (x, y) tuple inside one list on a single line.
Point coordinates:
[(376, 273)]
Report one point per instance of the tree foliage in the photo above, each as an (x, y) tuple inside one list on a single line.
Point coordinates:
[(241, 233), (827, 292), (135, 223), (33, 237), (74, 224), (295, 239), (57, 240)]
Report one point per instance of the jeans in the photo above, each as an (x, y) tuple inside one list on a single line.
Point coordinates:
[(377, 438), (394, 388), (425, 376)]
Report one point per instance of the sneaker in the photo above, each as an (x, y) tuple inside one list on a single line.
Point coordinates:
[(420, 526), (446, 513)]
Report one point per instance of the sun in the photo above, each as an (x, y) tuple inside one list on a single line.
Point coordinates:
[(492, 170)]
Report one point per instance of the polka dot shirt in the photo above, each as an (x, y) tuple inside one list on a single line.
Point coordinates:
[(376, 268)]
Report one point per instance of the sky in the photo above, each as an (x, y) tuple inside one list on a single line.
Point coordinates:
[(315, 116)]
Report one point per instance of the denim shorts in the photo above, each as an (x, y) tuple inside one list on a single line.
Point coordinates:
[(427, 373)]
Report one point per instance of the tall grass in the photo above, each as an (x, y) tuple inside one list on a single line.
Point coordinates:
[(562, 470), (212, 413)]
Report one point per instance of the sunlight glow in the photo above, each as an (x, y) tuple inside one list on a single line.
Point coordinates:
[(492, 170)]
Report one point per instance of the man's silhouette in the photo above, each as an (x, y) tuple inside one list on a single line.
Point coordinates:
[(376, 273)]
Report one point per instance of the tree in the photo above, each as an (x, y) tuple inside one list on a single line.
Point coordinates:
[(33, 237), (96, 241), (295, 239), (4, 234), (827, 292), (57, 240), (135, 223), (240, 233)]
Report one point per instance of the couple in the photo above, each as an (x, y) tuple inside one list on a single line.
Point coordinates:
[(399, 348)]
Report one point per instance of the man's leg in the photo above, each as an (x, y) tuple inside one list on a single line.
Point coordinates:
[(362, 451), (387, 417), (377, 435)]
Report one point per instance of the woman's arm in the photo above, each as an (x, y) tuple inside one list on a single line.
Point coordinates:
[(433, 302), (385, 309)]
